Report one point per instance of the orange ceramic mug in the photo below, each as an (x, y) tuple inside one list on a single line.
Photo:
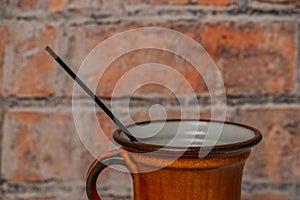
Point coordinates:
[(169, 172)]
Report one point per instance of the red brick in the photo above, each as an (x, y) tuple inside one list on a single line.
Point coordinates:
[(127, 62), (215, 2), (276, 158), (275, 2), (79, 5), (239, 46), (30, 71), (34, 5), (255, 57), (56, 5), (31, 5), (27, 4), (119, 67), (94, 34), (39, 146), (3, 43), (186, 2), (269, 196)]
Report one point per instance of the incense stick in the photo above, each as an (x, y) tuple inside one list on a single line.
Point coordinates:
[(91, 94)]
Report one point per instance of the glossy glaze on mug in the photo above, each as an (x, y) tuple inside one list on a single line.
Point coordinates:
[(218, 176), (187, 177)]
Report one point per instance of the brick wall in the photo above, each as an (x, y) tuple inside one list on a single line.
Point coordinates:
[(255, 44)]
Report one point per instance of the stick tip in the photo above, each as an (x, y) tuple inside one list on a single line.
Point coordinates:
[(51, 52)]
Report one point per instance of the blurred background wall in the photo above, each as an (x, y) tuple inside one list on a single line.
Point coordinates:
[(255, 44)]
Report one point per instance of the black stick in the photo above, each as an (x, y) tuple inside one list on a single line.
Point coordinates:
[(91, 94)]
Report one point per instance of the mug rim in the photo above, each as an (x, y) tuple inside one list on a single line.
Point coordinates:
[(141, 147)]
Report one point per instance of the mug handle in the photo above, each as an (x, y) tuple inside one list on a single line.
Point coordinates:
[(110, 158)]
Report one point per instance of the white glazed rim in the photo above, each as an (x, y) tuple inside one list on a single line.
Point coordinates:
[(240, 137)]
